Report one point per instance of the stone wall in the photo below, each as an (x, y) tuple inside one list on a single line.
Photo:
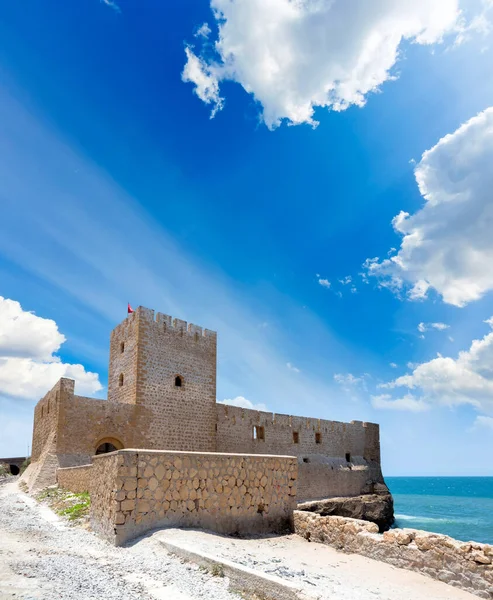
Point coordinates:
[(335, 459), (75, 479), (106, 482), (324, 477), (46, 416), (467, 565), (84, 423), (134, 491), (235, 433)]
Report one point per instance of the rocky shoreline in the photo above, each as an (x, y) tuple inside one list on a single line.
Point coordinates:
[(375, 508)]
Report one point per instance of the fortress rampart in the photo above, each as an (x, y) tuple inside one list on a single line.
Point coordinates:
[(162, 396), (335, 459)]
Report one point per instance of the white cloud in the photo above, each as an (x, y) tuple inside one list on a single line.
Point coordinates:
[(292, 367), (350, 383), (23, 334), (467, 379), (393, 365), (423, 327), (439, 326), (28, 366), (203, 31), (479, 24), (29, 378), (408, 402), (482, 421), (206, 84), (346, 280), (324, 283), (241, 402), (111, 4), (447, 245), (293, 56)]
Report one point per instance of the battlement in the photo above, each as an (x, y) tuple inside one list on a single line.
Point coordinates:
[(166, 322), (226, 411)]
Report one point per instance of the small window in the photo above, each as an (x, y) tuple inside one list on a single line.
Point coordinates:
[(196, 336), (42, 411), (296, 437), (122, 347), (48, 408), (306, 460), (120, 380), (258, 433), (348, 457), (318, 438), (178, 381)]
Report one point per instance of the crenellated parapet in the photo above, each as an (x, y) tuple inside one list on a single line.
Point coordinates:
[(173, 325)]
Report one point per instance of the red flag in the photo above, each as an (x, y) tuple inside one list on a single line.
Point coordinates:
[(129, 309)]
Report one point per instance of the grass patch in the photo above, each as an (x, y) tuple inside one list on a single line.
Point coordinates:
[(217, 570), (72, 506), (4, 470), (79, 510)]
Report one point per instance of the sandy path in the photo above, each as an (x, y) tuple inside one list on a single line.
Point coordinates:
[(41, 557), (319, 570)]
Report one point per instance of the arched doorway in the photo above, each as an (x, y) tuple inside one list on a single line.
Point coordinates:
[(108, 445), (14, 469)]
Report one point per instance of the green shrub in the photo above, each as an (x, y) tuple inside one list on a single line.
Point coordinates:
[(76, 511)]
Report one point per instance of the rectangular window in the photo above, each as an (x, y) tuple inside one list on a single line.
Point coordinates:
[(296, 437), (348, 457), (318, 438), (258, 433)]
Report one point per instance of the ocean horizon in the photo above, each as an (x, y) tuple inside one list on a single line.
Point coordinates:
[(461, 507)]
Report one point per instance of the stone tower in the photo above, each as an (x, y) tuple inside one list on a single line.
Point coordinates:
[(168, 369)]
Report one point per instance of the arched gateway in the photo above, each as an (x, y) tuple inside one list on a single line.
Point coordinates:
[(108, 444)]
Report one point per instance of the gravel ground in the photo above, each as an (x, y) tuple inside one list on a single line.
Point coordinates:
[(41, 556)]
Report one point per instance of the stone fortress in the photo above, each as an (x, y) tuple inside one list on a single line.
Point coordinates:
[(161, 452), (161, 411)]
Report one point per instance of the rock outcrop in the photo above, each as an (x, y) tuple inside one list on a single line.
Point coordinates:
[(375, 508)]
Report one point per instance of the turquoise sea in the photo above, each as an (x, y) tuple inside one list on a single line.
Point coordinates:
[(461, 507)]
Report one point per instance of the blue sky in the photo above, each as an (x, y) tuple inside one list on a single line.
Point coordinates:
[(116, 186)]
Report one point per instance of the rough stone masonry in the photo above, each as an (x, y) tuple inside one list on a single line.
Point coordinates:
[(162, 396)]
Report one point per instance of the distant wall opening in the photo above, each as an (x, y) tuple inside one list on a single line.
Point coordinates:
[(296, 437), (348, 456), (178, 381), (258, 432), (318, 438), (14, 469), (120, 380), (108, 445)]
